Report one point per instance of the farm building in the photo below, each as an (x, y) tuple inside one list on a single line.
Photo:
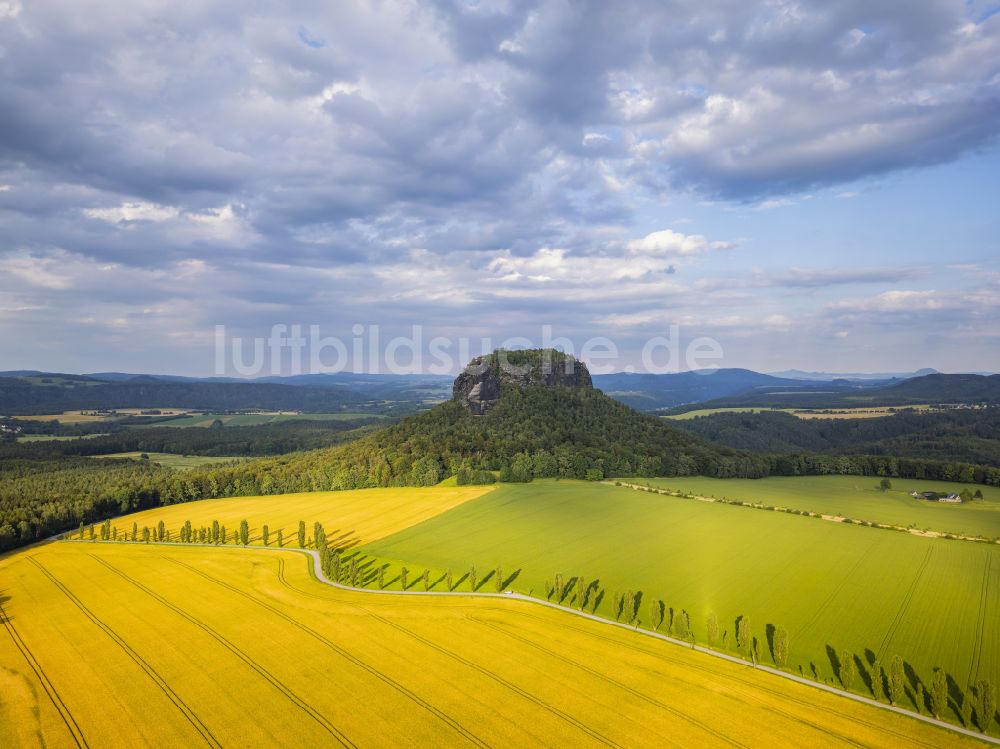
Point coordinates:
[(935, 497)]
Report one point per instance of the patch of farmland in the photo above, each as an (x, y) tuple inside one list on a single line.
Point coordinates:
[(859, 498), (114, 644), (834, 587), (349, 517)]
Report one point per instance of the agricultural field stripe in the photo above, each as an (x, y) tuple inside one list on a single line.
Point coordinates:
[(493, 676), (751, 686), (318, 575), (984, 600), (613, 682), (67, 717), (904, 605), (263, 672), (188, 713), (444, 717)]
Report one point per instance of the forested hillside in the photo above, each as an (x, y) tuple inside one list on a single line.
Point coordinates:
[(534, 432), (963, 435), (22, 396), (953, 389), (262, 439)]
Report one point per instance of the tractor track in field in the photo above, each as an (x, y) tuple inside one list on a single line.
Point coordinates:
[(489, 674), (317, 574), (389, 681), (736, 678), (308, 709), (904, 605), (160, 682), (832, 596), (494, 677), (64, 713), (608, 680), (977, 652)]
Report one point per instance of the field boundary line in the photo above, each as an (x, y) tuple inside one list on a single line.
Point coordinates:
[(903, 606), (317, 570), (441, 715), (542, 648), (984, 602), (640, 647), (246, 659), (609, 680), (47, 686), (160, 682)]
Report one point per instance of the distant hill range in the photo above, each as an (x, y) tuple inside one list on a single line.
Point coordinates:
[(944, 389), (798, 374), (52, 393), (33, 392)]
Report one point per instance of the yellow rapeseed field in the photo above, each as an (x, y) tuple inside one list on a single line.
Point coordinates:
[(129, 645), (349, 517)]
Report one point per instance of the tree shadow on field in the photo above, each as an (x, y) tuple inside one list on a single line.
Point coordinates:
[(488, 576), (862, 670), (769, 636), (461, 580), (956, 697), (511, 578), (916, 686), (598, 599), (566, 588), (831, 654), (439, 580)]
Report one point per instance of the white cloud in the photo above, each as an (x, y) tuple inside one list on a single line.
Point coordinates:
[(10, 8), (669, 242), (133, 211)]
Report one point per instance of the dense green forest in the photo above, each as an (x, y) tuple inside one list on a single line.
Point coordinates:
[(262, 439), (535, 432), (951, 389), (26, 396), (965, 435)]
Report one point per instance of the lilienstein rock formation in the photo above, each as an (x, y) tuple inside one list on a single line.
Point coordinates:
[(480, 386)]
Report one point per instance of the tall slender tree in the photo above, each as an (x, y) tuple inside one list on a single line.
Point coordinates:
[(847, 669), (780, 646), (897, 679), (302, 534), (265, 534), (986, 704), (244, 532), (939, 692), (712, 629)]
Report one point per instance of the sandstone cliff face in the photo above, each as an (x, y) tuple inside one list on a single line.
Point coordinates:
[(480, 386)]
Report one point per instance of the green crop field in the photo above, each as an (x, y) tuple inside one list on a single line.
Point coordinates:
[(171, 460), (56, 437), (132, 645), (858, 498), (834, 587)]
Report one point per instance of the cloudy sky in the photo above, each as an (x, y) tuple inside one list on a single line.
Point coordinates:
[(811, 184)]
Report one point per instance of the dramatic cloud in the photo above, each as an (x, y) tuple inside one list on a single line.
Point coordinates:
[(164, 168)]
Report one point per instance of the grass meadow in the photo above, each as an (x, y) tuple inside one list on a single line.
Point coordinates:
[(172, 460), (834, 587), (133, 645), (858, 498)]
